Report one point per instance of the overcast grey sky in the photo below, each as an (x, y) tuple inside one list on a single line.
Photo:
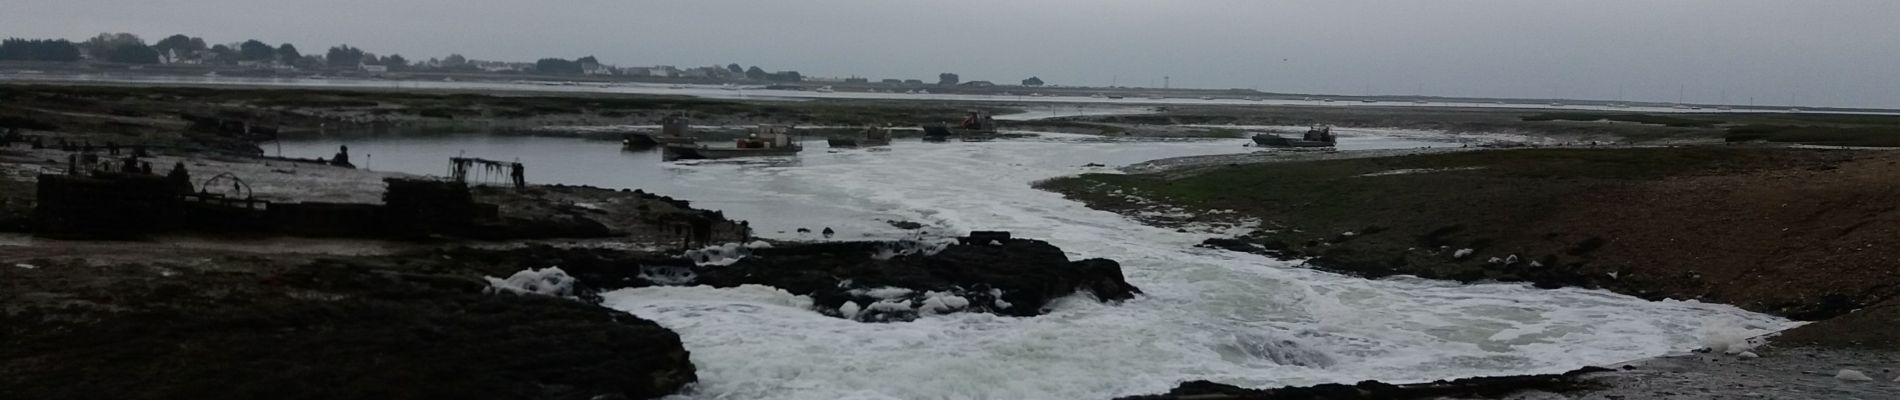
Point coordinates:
[(1822, 53)]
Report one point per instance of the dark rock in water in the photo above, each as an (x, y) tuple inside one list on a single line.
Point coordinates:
[(828, 232), (1230, 244), (320, 331), (1486, 387), (881, 281), (906, 225), (891, 281), (984, 237)]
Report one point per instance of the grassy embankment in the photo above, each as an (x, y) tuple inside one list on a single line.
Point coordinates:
[(1799, 233), (150, 115), (1803, 128)]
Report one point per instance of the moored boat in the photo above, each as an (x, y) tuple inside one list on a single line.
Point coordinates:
[(1317, 136), (673, 130), (764, 141)]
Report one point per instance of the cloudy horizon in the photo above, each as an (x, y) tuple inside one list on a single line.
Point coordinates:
[(1773, 52)]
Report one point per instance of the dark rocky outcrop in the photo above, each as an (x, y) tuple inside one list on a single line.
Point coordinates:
[(883, 281), (1014, 277), (323, 331), (1487, 387)]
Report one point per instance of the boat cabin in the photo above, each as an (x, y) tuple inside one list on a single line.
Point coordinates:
[(766, 137)]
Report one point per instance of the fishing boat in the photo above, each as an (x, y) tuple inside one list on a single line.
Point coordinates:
[(673, 130), (1316, 136), (764, 141), (977, 126), (871, 136)]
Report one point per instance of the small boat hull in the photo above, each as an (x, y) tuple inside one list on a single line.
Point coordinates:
[(856, 142), (689, 152), (1266, 140), (644, 140)]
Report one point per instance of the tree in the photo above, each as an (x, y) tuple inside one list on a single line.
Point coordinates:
[(137, 53), (756, 73), (588, 60), (288, 54), (344, 56), (556, 66), (787, 76), (735, 68), (395, 61), (1032, 81), (102, 46), (59, 50), (253, 50), (223, 53), (180, 45), (947, 79), (454, 60)]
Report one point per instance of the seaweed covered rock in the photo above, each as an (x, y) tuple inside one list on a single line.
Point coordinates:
[(1484, 387), (316, 331), (873, 281), (893, 281)]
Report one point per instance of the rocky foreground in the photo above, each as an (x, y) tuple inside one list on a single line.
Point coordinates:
[(459, 323)]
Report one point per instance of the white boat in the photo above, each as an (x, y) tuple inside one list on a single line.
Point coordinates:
[(824, 89)]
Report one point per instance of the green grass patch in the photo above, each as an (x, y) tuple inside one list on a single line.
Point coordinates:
[(1663, 120), (1871, 136)]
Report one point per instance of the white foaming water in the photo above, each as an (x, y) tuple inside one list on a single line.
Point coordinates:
[(1207, 314)]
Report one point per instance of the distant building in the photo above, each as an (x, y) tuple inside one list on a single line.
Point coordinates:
[(706, 72), (1032, 81), (595, 68), (663, 71), (892, 81), (856, 80)]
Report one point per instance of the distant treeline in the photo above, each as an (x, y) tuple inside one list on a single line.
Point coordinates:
[(126, 48), (58, 50)]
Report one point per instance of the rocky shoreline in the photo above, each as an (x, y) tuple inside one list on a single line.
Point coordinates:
[(521, 323)]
